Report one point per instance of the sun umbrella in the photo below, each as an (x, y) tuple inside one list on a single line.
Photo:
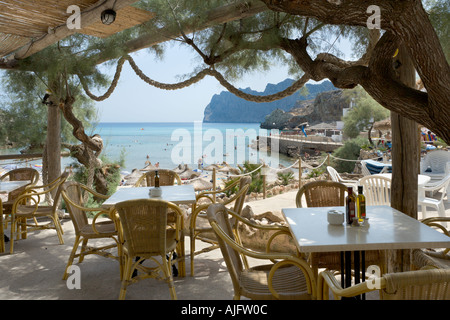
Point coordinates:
[(201, 184), (149, 167), (132, 178), (211, 167), (189, 174), (383, 124)]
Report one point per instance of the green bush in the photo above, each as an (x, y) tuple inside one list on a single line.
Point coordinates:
[(349, 151)]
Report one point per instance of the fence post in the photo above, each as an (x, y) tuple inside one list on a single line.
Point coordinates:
[(214, 184), (264, 172), (300, 171), (328, 164)]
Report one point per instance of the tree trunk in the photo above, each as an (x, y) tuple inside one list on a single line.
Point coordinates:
[(404, 163), (53, 143)]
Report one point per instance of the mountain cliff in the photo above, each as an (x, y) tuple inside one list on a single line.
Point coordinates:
[(326, 107), (226, 107)]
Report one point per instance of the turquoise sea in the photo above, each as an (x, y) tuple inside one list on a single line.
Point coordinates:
[(171, 144)]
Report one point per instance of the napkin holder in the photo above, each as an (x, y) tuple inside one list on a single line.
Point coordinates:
[(335, 217), (155, 192)]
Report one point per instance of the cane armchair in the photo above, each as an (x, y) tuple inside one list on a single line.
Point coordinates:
[(432, 284), (37, 202), (166, 178), (433, 258), (331, 194), (21, 174), (201, 231), (73, 194), (285, 276), (144, 234)]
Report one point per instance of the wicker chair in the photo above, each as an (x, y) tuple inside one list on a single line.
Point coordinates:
[(21, 174), (433, 258), (166, 178), (30, 205), (287, 277), (196, 228), (145, 234), (377, 190), (331, 194), (411, 285), (73, 195)]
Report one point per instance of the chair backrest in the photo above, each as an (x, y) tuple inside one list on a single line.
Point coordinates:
[(244, 184), (166, 178), (51, 192), (364, 170), (431, 284), (436, 160), (377, 190), (219, 220), (21, 174), (333, 174), (73, 195), (322, 194), (144, 225)]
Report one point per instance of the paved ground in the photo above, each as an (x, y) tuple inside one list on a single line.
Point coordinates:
[(35, 270)]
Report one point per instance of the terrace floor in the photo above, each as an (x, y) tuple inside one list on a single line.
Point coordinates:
[(36, 268)]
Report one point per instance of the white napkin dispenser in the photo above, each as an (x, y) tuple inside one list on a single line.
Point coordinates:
[(155, 192), (335, 217)]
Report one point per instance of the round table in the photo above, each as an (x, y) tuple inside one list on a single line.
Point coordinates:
[(422, 180)]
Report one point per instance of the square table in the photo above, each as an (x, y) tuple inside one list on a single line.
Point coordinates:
[(7, 186), (177, 194), (388, 229)]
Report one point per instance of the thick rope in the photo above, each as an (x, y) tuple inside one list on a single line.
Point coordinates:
[(196, 78)]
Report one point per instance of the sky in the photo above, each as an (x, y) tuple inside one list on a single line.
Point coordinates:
[(135, 101)]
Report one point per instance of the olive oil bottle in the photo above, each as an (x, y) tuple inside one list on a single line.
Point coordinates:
[(361, 205)]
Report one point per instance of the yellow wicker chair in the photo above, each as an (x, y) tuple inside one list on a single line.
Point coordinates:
[(30, 205), (21, 174), (433, 284), (145, 234), (327, 193), (197, 229), (433, 258), (166, 178), (286, 276), (73, 194)]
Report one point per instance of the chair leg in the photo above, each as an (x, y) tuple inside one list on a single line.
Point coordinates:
[(192, 252), (58, 228), (126, 276), (72, 255), (11, 239), (83, 249), (441, 209), (168, 277), (424, 211)]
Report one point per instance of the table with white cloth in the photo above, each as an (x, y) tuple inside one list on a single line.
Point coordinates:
[(6, 187), (388, 229), (177, 194)]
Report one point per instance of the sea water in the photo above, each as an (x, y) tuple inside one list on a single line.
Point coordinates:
[(192, 143), (171, 144)]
